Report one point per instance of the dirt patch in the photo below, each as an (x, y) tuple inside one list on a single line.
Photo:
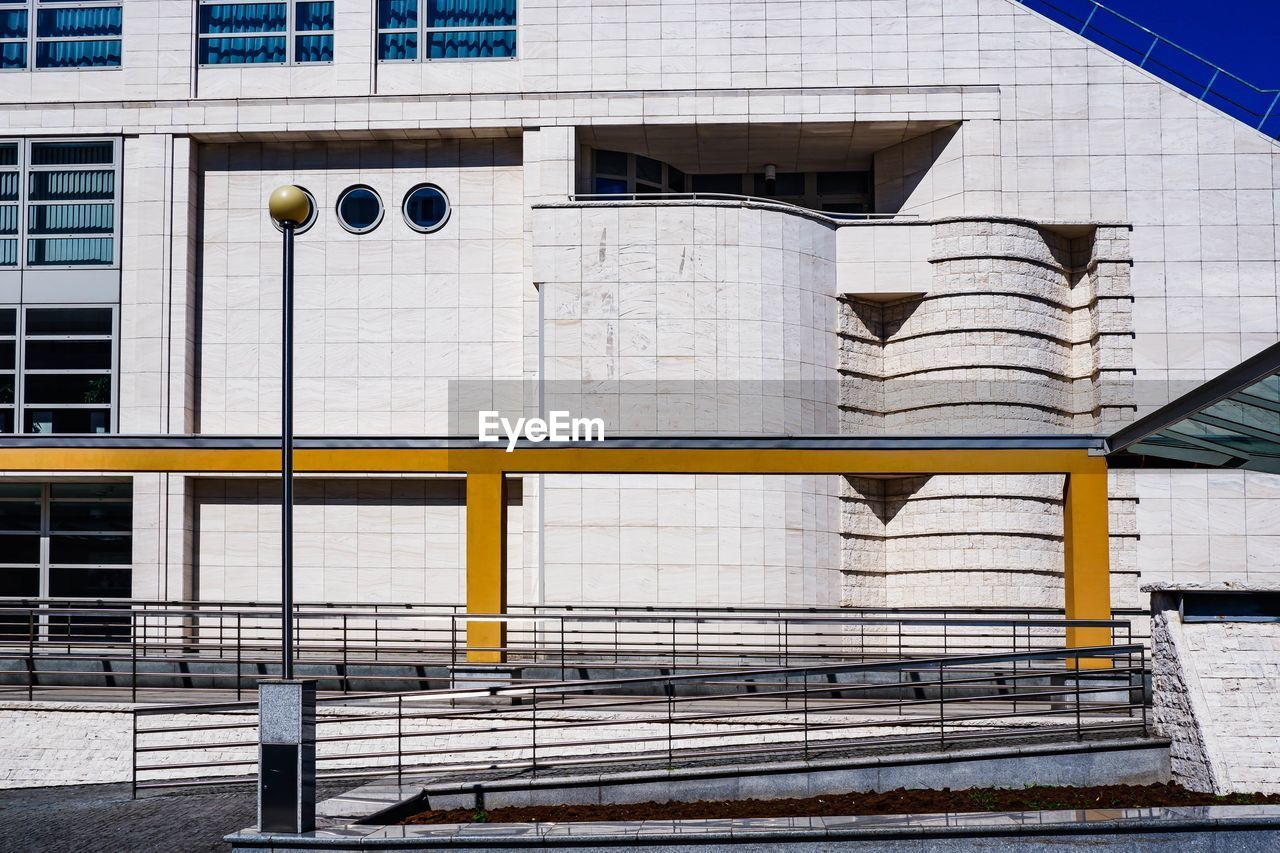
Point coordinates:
[(901, 801)]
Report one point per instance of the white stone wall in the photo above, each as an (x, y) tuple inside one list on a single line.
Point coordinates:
[(1214, 684), (386, 323), (689, 318), (1047, 127)]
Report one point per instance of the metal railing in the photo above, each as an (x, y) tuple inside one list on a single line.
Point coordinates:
[(669, 719), (1190, 72), (756, 200), (145, 646)]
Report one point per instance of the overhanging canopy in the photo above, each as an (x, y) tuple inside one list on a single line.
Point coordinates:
[(1231, 421)]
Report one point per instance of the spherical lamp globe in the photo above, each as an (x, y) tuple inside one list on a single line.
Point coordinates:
[(289, 205)]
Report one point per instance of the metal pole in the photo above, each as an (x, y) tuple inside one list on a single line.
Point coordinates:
[(286, 461)]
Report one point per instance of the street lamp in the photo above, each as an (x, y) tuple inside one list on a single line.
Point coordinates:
[(287, 708)]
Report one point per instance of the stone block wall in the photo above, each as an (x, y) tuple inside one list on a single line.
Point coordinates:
[(1214, 689)]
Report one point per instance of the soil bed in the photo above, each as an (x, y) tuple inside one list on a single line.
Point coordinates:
[(901, 801)]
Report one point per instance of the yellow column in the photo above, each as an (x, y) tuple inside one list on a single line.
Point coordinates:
[(1087, 552), (486, 565)]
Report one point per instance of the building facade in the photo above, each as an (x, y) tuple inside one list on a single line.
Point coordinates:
[(861, 217)]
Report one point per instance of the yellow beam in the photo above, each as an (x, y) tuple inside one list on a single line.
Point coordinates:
[(486, 565), (1086, 549), (551, 461)]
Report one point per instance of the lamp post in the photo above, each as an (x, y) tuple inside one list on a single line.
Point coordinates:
[(287, 708)]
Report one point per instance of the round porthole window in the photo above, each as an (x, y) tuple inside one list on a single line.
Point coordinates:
[(311, 217), (426, 208), (359, 209)]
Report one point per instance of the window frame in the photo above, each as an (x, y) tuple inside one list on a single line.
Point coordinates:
[(32, 39), (290, 33), (422, 31), (25, 169), (20, 405)]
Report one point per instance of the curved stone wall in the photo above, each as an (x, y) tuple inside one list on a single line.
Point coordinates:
[(1022, 330), (689, 317)]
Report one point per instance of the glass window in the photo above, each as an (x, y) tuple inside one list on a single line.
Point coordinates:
[(61, 33), (727, 184), (10, 179), (66, 540), (426, 208), (67, 370), (71, 203), (359, 209), (297, 31), (446, 29)]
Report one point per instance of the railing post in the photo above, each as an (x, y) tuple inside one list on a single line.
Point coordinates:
[(133, 758), (1075, 663), (346, 682), (1147, 55), (1267, 114), (31, 654), (239, 641), (133, 653), (533, 737), (399, 741), (942, 710)]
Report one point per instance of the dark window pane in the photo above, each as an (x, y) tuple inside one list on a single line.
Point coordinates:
[(309, 16), (846, 207), (8, 154), (6, 420), (69, 321), (6, 363), (68, 388), (392, 46), (648, 188), (241, 51), (101, 516), (19, 583), (51, 355), (426, 208), (360, 209), (91, 490), (787, 184), (20, 549), (730, 184), (13, 25), (73, 251), (80, 185), (611, 163), (13, 54), (89, 583), (71, 218), (72, 153), (9, 186), (469, 13), (244, 18), (842, 183), (78, 22), (675, 179), (610, 186), (8, 322), (78, 54), (9, 219), (8, 253), (20, 490), (66, 420), (313, 49), (648, 169), (397, 14), (19, 515), (109, 550)]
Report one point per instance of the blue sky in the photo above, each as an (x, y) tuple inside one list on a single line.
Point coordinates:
[(1242, 36)]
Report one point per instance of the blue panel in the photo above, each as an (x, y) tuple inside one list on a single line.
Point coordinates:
[(244, 18), (476, 44), (471, 13), (398, 46), (237, 51), (78, 54), (313, 49), (72, 153), (72, 186), (69, 251), (313, 16), (397, 15), (13, 54), (610, 186), (13, 23), (70, 219), (78, 23)]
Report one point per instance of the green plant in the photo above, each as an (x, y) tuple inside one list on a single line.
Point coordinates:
[(480, 816)]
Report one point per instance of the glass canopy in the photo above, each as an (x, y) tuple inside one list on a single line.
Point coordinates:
[(1232, 421)]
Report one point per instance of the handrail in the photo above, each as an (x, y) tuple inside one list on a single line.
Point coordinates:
[(770, 710), (1143, 57), (749, 199)]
